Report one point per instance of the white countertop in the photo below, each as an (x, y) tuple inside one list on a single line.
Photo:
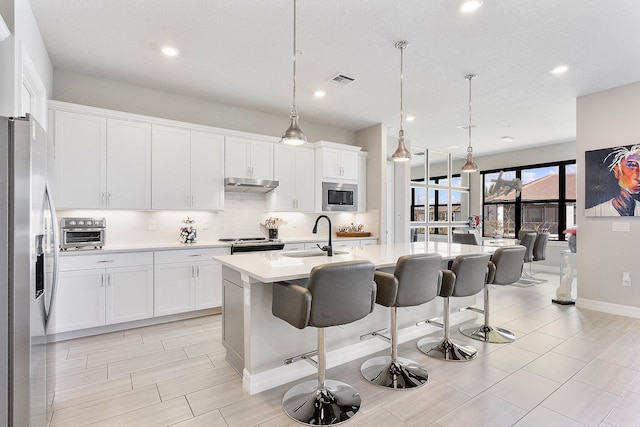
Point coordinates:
[(276, 266), (143, 247)]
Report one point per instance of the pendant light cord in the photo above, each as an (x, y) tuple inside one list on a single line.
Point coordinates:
[(401, 79), (294, 110), (470, 77), (401, 45)]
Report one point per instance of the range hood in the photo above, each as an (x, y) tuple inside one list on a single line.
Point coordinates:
[(248, 185)]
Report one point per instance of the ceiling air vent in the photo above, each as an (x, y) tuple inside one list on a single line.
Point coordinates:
[(342, 79)]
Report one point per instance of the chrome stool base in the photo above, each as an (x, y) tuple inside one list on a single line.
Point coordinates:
[(445, 349), (488, 334), (336, 403), (399, 375)]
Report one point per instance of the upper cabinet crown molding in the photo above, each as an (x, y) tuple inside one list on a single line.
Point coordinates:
[(338, 146), (103, 112)]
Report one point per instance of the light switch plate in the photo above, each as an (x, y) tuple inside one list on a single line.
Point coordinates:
[(620, 226)]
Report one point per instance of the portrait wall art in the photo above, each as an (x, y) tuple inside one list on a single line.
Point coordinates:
[(612, 181)]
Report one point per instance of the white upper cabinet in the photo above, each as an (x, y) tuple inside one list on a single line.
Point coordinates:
[(102, 162), (207, 171), (294, 170), (187, 169), (246, 158), (81, 145), (128, 164), (171, 171), (339, 164)]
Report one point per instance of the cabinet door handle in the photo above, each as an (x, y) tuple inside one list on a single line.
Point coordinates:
[(193, 271), (102, 198), (108, 279), (249, 171), (192, 200), (197, 271), (102, 281), (108, 198)]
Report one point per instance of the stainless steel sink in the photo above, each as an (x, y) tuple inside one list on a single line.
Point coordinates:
[(305, 254)]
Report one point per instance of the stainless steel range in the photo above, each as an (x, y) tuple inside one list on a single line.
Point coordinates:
[(253, 244)]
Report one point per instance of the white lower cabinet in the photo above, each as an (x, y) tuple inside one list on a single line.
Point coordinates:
[(90, 294), (187, 280)]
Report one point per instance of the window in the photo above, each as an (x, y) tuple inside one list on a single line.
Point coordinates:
[(546, 201), (439, 200)]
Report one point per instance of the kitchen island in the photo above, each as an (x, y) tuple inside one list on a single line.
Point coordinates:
[(257, 343)]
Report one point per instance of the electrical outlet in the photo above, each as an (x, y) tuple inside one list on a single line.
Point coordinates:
[(626, 279), (151, 226), (205, 225)]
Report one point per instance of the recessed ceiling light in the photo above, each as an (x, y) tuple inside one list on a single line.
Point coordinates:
[(410, 118), (170, 51), (319, 93), (559, 69), (469, 6), (507, 138)]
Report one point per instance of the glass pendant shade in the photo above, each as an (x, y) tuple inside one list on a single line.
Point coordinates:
[(469, 166), (294, 135)]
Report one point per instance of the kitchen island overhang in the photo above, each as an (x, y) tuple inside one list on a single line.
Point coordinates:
[(257, 343)]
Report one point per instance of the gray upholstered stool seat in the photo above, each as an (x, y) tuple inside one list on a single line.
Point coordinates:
[(415, 281), (466, 276), (508, 262), (335, 294)]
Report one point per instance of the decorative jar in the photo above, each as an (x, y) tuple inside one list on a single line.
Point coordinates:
[(188, 231)]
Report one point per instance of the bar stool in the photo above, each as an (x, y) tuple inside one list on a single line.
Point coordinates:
[(466, 276), (528, 241), (335, 294), (415, 281), (508, 262)]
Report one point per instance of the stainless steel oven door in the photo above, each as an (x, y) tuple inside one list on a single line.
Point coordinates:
[(338, 197), (82, 237)]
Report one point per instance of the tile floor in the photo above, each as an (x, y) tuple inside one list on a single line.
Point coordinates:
[(568, 367)]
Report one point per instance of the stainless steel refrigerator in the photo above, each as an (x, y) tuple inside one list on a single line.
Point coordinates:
[(28, 273)]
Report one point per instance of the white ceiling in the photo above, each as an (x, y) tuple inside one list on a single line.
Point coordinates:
[(239, 52)]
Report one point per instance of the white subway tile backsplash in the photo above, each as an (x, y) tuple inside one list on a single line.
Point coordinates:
[(243, 216)]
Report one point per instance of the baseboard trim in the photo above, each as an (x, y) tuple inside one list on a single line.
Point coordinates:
[(607, 307)]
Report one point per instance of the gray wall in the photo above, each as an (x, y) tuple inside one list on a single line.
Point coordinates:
[(607, 119), (95, 92)]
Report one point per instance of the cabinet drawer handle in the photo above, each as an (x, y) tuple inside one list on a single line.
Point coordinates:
[(195, 255), (108, 260)]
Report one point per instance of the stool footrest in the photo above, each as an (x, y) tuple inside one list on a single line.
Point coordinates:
[(474, 309), (307, 357), (376, 334), (432, 321)]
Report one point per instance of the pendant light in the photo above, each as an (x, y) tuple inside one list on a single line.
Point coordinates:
[(469, 166), (294, 135), (401, 154)]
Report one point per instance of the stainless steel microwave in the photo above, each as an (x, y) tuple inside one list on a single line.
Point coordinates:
[(339, 197)]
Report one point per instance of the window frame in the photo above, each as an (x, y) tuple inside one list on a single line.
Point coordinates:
[(562, 201)]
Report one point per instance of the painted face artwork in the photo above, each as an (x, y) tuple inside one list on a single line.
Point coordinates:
[(627, 172)]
